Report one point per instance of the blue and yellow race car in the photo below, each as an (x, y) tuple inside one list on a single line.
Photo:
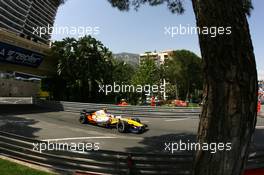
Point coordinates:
[(102, 118)]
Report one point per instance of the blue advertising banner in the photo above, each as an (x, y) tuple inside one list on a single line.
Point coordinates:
[(16, 55)]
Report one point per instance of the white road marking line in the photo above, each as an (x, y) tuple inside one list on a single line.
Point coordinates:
[(86, 138), (260, 127), (178, 119), (78, 138)]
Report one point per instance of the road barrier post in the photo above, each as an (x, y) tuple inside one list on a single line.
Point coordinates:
[(130, 164)]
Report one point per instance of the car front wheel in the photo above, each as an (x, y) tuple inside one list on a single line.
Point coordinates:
[(121, 126)]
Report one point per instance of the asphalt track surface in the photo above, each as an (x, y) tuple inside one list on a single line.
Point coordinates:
[(58, 126)]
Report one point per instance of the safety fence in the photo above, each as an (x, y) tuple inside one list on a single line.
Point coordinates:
[(16, 100), (105, 162), (136, 111)]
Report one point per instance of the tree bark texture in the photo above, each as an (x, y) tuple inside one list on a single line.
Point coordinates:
[(230, 87)]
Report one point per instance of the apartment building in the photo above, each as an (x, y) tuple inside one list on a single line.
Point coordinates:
[(158, 57), (24, 16)]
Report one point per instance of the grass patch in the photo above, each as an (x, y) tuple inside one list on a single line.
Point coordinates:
[(8, 168)]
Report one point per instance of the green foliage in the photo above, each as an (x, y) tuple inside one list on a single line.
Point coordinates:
[(10, 168), (122, 72), (147, 73), (175, 6), (59, 2), (56, 86), (248, 6), (82, 65), (183, 71), (86, 63)]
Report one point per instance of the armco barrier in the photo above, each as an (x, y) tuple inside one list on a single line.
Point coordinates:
[(16, 100), (137, 111), (256, 160), (106, 162)]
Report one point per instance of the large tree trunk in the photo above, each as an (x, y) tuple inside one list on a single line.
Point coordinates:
[(230, 89)]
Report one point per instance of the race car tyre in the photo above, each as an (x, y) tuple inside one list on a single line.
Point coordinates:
[(136, 119), (83, 119), (121, 126)]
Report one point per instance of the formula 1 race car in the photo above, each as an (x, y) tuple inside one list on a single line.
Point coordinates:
[(102, 118)]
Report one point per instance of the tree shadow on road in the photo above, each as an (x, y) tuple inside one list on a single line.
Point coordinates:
[(258, 141), (258, 136), (20, 126), (157, 152), (157, 144), (256, 155)]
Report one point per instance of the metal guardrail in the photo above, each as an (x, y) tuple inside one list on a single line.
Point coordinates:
[(256, 160), (16, 100), (106, 162), (137, 111)]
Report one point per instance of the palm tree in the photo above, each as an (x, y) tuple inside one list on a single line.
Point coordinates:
[(83, 64)]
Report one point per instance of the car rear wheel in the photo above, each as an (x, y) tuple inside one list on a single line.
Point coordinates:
[(83, 119)]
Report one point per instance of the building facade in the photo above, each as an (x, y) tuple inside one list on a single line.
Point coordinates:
[(24, 17), (158, 57), (22, 49)]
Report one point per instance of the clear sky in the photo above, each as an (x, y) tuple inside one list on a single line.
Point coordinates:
[(143, 30)]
